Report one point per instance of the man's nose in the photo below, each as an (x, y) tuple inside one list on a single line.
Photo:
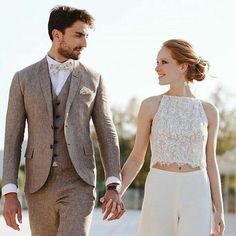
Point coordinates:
[(84, 42)]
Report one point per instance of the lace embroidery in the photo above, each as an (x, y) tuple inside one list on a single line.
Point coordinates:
[(179, 132)]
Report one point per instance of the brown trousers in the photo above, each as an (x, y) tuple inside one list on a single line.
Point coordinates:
[(63, 206)]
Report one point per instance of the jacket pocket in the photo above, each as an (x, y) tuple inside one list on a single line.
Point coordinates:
[(29, 153)]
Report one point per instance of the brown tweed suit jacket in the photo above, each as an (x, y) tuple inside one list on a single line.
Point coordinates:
[(30, 100)]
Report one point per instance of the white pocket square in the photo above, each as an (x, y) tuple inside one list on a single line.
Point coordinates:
[(85, 90)]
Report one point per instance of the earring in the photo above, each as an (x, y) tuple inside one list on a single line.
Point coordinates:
[(186, 84)]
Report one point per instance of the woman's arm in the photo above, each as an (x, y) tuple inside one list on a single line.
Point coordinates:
[(136, 159), (212, 167)]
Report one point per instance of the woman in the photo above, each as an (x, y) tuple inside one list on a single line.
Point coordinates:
[(183, 183)]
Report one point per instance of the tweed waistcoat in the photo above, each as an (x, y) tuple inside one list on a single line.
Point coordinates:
[(61, 156)]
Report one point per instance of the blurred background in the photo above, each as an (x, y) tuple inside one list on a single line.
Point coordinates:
[(123, 48)]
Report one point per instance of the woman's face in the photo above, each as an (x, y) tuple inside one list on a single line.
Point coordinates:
[(168, 70)]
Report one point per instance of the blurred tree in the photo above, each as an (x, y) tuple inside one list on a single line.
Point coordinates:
[(125, 121), (0, 188), (227, 127), (21, 178)]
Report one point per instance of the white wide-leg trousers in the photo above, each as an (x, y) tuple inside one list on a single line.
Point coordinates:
[(176, 204)]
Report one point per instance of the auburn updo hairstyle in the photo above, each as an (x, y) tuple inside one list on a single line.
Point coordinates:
[(182, 51)]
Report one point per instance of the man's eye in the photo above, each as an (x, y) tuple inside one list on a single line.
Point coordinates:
[(164, 62)]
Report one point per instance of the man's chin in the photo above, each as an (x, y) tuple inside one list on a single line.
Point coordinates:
[(75, 57)]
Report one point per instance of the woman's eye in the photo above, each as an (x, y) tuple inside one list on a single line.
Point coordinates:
[(161, 62)]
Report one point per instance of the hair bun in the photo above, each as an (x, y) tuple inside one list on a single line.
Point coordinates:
[(182, 51), (201, 67)]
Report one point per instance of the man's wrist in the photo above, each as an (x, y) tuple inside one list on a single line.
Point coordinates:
[(10, 195), (112, 180), (113, 187)]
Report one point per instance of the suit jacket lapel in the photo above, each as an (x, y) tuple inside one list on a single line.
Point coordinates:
[(74, 85), (46, 86)]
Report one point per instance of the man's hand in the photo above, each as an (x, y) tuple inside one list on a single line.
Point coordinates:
[(112, 205), (12, 208)]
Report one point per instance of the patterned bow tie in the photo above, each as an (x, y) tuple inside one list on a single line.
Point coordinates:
[(54, 68)]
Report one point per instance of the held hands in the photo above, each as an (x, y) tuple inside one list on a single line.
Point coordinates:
[(12, 208), (219, 224), (112, 205)]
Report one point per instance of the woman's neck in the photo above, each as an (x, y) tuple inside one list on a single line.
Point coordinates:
[(182, 90)]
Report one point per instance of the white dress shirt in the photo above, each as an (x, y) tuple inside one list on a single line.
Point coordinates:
[(58, 79)]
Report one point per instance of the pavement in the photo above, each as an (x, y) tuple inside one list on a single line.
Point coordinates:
[(126, 226)]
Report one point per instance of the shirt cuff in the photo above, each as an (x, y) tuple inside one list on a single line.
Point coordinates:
[(113, 180), (9, 188)]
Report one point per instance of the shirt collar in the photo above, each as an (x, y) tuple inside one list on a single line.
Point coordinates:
[(54, 62)]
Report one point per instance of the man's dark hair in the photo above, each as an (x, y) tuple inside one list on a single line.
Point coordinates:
[(62, 17)]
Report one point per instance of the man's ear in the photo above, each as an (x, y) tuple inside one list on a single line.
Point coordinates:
[(57, 35)]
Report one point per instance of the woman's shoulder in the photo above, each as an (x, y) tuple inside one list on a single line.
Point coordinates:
[(150, 105), (153, 100), (211, 111), (209, 107)]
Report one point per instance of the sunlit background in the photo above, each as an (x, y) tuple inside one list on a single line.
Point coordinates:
[(125, 42), (123, 48)]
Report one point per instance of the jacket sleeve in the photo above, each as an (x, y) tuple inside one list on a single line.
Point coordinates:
[(106, 133), (14, 132)]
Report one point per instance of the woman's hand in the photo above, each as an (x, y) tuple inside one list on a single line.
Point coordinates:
[(219, 224), (112, 205)]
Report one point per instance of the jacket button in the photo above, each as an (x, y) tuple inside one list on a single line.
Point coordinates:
[(51, 146)]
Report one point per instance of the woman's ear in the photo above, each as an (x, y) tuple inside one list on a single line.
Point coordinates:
[(184, 67)]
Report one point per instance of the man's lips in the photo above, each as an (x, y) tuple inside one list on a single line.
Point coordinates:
[(78, 50)]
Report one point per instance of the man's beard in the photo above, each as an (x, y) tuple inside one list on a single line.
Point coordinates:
[(67, 52)]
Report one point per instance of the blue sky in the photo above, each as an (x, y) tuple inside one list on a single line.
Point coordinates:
[(125, 42)]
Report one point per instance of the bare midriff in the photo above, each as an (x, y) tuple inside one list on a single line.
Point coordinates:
[(175, 168)]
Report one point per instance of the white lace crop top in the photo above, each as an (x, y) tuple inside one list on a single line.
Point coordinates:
[(179, 132)]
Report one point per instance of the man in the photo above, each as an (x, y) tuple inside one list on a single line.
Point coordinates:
[(58, 96)]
